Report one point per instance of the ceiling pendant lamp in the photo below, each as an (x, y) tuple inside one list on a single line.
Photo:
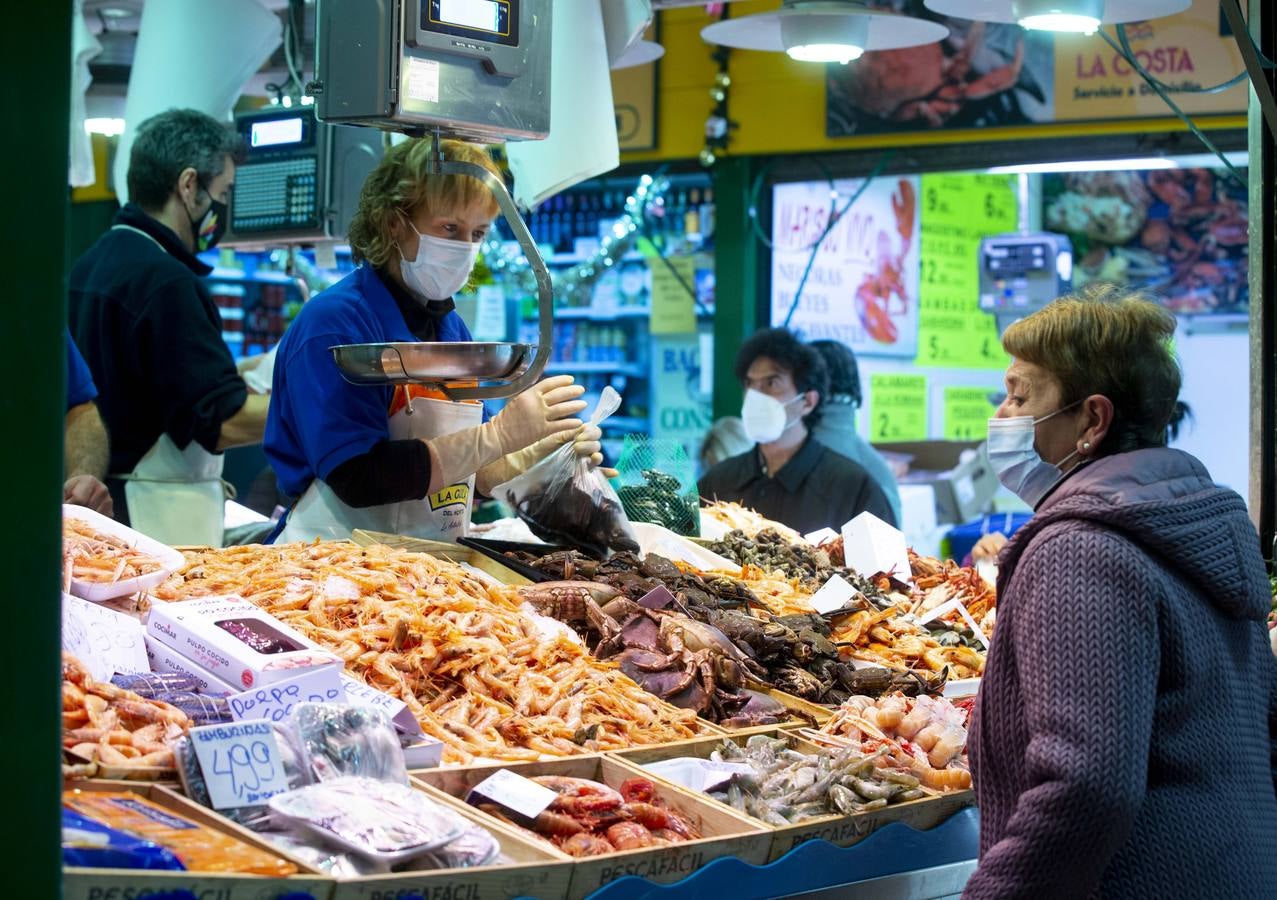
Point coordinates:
[(639, 53), (824, 31), (1067, 16)]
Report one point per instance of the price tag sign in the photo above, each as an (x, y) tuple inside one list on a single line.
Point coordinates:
[(872, 546), (360, 694), (957, 211), (967, 411), (673, 304), (834, 595), (275, 702), (514, 792), (816, 538), (104, 640), (240, 762), (657, 598), (898, 407)]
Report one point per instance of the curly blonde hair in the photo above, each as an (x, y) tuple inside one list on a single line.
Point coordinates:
[(400, 187)]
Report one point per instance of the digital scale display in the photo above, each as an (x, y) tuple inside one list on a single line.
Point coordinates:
[(275, 132), (489, 20)]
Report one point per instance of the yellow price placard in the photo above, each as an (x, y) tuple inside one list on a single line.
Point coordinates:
[(957, 211), (898, 407), (967, 411), (673, 298)]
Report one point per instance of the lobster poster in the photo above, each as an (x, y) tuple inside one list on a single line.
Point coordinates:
[(1180, 234), (860, 285)]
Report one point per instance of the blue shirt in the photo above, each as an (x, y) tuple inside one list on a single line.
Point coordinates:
[(80, 386), (317, 419)]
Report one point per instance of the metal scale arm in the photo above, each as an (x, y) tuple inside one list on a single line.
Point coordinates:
[(437, 165)]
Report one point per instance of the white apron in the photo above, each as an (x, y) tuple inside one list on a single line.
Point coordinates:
[(441, 516), (177, 496)]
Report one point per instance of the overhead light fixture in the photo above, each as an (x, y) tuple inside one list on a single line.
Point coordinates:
[(640, 53), (824, 31), (1086, 165), (1066, 16)]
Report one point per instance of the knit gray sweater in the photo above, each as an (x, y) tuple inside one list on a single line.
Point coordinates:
[(1122, 743)]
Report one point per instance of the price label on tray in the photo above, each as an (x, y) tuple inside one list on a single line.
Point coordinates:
[(834, 595), (514, 792), (275, 702), (240, 762), (360, 694)]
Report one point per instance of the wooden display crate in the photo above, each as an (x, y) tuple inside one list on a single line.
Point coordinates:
[(839, 830), (726, 832), (100, 884), (451, 552), (534, 869)]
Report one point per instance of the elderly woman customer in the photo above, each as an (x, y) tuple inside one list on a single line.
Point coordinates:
[(1122, 743)]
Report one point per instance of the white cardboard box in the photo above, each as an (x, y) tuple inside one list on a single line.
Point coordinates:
[(235, 641), (165, 659)]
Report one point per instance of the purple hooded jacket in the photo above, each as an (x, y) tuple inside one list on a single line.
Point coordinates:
[(1122, 742)]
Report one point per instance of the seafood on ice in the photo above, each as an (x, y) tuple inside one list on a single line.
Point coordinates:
[(787, 786), (741, 518), (588, 818), (108, 725), (926, 735), (476, 671)]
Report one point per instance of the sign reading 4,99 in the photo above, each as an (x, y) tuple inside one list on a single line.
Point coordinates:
[(240, 762)]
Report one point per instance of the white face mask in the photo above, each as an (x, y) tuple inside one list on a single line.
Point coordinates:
[(442, 266), (1012, 454), (765, 417)]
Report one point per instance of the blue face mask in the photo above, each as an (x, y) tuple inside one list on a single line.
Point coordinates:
[(1019, 467)]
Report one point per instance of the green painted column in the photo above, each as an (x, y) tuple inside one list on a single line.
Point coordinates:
[(35, 96), (740, 307)]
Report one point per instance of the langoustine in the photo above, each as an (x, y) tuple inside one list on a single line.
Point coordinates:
[(476, 671)]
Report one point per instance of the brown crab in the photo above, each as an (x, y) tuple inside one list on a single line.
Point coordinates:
[(575, 603)]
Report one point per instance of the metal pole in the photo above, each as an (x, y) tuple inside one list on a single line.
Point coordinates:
[(33, 365)]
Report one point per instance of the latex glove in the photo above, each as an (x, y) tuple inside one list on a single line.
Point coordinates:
[(588, 445), (988, 547), (547, 408), (87, 491), (540, 414), (585, 443)]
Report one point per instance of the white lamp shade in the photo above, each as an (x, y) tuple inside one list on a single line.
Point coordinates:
[(1114, 11), (831, 20), (640, 53)]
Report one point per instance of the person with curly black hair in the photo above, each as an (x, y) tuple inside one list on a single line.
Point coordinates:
[(788, 475)]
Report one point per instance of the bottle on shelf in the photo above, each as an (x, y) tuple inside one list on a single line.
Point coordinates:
[(707, 216), (692, 219)]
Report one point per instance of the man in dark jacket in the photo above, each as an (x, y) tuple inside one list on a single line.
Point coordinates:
[(789, 476), (148, 328)]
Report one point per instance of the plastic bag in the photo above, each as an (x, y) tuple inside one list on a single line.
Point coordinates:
[(658, 484), (336, 740), (565, 501)]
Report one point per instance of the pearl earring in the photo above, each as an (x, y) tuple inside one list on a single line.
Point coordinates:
[(1086, 445)]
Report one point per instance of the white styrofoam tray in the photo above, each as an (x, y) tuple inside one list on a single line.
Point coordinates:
[(170, 560)]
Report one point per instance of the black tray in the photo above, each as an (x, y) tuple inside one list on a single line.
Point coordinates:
[(497, 550)]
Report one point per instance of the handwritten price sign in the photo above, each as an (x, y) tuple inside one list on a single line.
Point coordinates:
[(240, 762), (275, 702), (106, 641)]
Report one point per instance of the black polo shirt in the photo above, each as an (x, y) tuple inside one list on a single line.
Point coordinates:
[(816, 489), (151, 334)]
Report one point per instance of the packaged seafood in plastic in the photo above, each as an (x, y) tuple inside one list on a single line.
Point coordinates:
[(202, 709), (255, 817), (336, 740), (200, 849), (388, 823), (151, 684), (96, 846), (475, 847)]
